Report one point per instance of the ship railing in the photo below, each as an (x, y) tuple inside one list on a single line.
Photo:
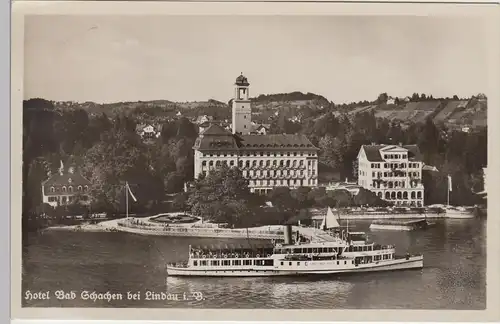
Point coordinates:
[(229, 255), (178, 264)]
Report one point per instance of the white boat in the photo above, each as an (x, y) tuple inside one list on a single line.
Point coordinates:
[(453, 211), (347, 252), (458, 212)]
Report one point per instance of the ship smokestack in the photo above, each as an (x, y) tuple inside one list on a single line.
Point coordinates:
[(288, 234)]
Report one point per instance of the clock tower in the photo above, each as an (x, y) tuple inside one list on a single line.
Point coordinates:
[(242, 110)]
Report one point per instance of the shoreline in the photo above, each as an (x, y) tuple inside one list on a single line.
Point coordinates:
[(146, 227)]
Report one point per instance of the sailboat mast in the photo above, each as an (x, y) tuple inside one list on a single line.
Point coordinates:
[(448, 193), (126, 198)]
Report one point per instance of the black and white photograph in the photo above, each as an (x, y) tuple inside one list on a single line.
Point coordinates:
[(316, 162)]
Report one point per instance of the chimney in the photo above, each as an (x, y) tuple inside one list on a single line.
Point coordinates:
[(400, 143)]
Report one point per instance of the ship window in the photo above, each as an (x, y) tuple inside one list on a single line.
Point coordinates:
[(345, 262), (281, 263), (298, 263), (289, 263), (226, 262), (297, 250), (247, 262), (195, 263), (315, 250), (214, 263), (236, 262), (203, 263), (338, 262), (309, 250)]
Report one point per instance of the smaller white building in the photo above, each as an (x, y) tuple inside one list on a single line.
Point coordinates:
[(66, 188), (393, 172), (148, 131)]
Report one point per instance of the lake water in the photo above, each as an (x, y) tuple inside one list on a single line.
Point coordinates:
[(454, 274)]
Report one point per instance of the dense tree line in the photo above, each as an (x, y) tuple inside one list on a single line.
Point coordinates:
[(106, 150), (459, 154), (223, 196)]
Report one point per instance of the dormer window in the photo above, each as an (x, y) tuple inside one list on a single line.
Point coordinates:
[(64, 188), (70, 189), (80, 188), (86, 188), (52, 189)]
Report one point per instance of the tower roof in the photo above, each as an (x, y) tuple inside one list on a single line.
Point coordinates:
[(242, 80)]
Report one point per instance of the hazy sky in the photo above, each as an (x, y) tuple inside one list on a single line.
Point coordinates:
[(185, 58)]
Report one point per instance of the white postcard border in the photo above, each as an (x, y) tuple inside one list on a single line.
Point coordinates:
[(20, 9)]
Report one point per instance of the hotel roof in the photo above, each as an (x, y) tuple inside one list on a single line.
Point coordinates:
[(373, 152), (216, 137)]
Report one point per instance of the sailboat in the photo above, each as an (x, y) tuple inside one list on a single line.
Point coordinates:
[(455, 211)]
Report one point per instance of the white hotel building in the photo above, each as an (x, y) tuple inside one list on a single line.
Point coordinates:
[(393, 172), (268, 161)]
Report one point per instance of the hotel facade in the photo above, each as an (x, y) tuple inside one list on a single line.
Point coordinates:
[(267, 161), (393, 172)]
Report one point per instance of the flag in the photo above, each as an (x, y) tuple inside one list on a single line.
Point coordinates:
[(130, 192), (449, 183), (61, 167)]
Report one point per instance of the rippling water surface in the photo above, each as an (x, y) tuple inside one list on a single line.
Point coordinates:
[(453, 276)]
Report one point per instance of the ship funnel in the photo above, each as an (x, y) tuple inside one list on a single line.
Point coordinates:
[(288, 234)]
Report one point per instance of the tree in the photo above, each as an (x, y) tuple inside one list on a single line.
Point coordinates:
[(221, 196), (180, 202), (174, 183), (284, 202), (121, 156), (382, 98)]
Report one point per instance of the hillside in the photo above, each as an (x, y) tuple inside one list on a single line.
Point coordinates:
[(300, 106), (452, 112)]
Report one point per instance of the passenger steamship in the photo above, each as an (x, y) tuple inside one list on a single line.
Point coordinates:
[(345, 252)]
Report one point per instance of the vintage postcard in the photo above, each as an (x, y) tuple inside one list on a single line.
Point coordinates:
[(280, 161)]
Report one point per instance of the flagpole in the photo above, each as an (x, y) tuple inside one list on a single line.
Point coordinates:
[(448, 191), (126, 197)]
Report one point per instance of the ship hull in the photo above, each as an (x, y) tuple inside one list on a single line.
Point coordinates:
[(415, 262)]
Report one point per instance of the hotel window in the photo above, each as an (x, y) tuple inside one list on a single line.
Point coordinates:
[(274, 162), (86, 188), (70, 189), (64, 188), (268, 154), (288, 163), (247, 164), (254, 163), (195, 263), (204, 163), (52, 189), (301, 162), (231, 163), (240, 163), (281, 163), (268, 163), (261, 163)]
